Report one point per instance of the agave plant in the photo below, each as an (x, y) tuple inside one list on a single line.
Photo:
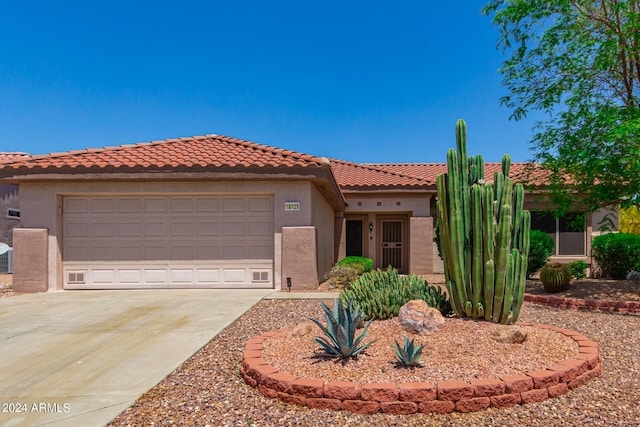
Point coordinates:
[(340, 330), (409, 354)]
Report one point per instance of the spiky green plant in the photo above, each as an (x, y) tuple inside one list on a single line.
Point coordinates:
[(381, 293), (555, 277), (340, 330), (409, 354), (484, 236)]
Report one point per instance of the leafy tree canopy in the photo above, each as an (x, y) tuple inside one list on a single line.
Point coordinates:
[(579, 62)]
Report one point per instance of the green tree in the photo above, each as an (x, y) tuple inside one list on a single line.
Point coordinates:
[(578, 62)]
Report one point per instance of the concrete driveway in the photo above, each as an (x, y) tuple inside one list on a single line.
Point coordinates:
[(79, 358)]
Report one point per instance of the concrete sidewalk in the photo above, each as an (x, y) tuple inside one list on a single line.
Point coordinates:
[(79, 358)]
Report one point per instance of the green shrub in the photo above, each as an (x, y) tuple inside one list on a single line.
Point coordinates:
[(366, 263), (578, 269), (340, 338), (616, 253), (381, 293), (540, 249)]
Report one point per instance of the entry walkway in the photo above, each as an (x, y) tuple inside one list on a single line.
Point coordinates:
[(80, 358)]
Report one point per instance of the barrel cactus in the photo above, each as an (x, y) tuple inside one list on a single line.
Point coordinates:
[(555, 277), (484, 236)]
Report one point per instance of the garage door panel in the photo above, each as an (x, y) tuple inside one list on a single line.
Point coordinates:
[(155, 229), (129, 229), (207, 205), (128, 205), (261, 204), (183, 241), (102, 229), (154, 205), (102, 206)]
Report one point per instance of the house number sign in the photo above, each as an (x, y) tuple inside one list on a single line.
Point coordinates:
[(291, 206)]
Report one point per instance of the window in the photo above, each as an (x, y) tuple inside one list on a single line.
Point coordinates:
[(567, 232)]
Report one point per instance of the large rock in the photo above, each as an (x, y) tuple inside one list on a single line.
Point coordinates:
[(633, 275), (418, 318), (510, 335), (303, 329)]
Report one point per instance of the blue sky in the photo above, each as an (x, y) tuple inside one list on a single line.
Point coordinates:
[(366, 81)]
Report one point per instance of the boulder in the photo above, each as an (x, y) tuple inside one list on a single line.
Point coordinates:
[(633, 275), (303, 329), (510, 335), (418, 318)]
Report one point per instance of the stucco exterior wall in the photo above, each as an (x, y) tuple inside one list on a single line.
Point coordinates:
[(41, 207), (417, 204), (323, 218)]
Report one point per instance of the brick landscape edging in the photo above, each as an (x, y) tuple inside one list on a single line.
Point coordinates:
[(585, 304), (409, 398)]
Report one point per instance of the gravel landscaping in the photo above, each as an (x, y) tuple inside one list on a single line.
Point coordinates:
[(207, 388)]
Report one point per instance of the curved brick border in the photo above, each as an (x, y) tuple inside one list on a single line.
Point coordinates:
[(585, 304), (409, 398)]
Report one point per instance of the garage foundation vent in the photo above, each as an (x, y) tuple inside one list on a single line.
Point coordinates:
[(260, 277), (76, 278)]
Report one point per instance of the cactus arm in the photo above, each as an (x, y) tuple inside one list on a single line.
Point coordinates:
[(477, 264), (456, 229), (465, 203), (489, 280), (506, 164), (502, 254), (512, 273)]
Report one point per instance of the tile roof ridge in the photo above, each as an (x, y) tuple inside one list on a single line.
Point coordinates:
[(241, 142), (269, 148)]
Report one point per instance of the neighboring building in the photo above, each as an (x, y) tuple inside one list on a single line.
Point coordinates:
[(213, 211), (9, 201)]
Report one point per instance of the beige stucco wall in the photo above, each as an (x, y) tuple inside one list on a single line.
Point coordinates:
[(300, 264), (323, 218), (41, 207), (30, 266), (418, 204), (421, 245)]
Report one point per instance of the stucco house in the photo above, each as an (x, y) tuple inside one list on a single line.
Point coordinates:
[(217, 212)]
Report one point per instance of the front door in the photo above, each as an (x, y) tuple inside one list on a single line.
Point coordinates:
[(393, 244), (355, 237)]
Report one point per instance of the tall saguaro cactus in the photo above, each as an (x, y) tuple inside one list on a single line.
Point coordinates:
[(484, 236)]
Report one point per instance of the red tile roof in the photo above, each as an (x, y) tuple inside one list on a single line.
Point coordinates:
[(12, 157), (356, 176), (195, 152), (519, 171), (214, 151)]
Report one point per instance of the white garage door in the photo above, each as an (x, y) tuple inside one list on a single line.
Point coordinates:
[(168, 242)]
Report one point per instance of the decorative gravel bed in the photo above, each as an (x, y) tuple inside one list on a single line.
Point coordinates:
[(208, 390), (451, 353)]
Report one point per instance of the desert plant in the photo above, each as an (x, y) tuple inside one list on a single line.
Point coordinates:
[(366, 263), (341, 276), (381, 293), (340, 338), (484, 236), (409, 354), (616, 253), (578, 269), (540, 249), (555, 277)]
